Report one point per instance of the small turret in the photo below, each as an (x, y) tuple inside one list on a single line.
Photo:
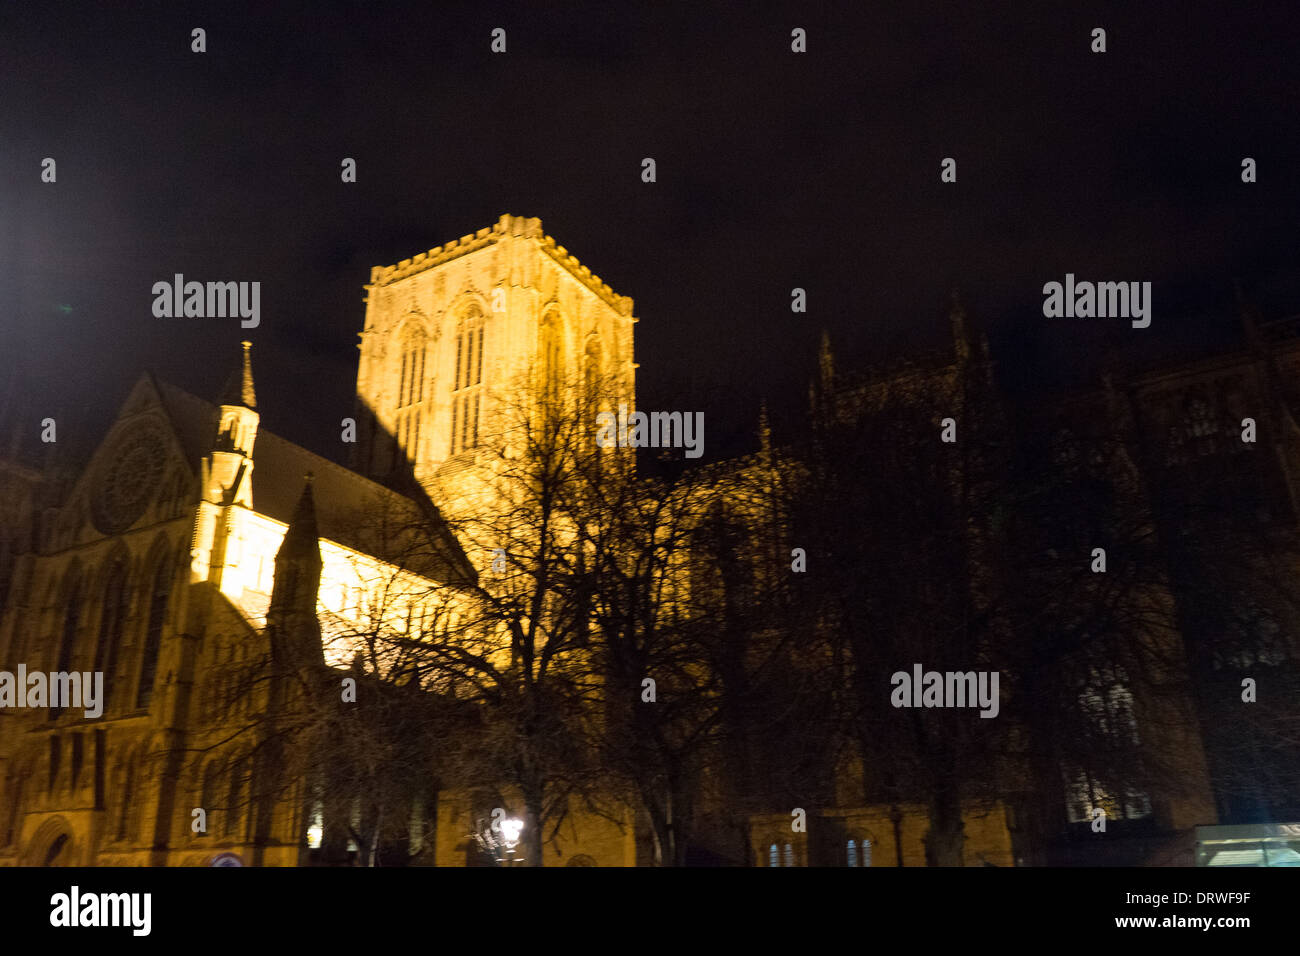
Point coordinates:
[(826, 364), (966, 335), (231, 470), (821, 389), (764, 435)]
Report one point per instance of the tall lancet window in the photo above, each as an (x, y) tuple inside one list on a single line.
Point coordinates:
[(552, 356), (468, 382), (68, 639), (592, 372), (110, 625), (410, 395), (153, 633)]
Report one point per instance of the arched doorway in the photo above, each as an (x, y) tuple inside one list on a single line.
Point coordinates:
[(52, 845)]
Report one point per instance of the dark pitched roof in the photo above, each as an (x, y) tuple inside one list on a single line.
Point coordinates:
[(350, 508), (193, 420)]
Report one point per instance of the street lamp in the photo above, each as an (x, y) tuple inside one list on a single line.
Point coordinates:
[(510, 830), (500, 838)]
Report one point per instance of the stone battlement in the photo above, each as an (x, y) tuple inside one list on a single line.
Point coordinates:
[(506, 226)]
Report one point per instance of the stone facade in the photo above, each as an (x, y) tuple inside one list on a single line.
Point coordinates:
[(165, 562), (158, 562), (455, 336)]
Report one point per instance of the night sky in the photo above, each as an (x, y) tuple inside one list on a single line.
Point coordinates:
[(775, 170)]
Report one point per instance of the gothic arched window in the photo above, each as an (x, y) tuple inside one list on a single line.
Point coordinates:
[(410, 393), (468, 382), (110, 625), (859, 852), (235, 799), (552, 353), (234, 796), (592, 370), (153, 634), (68, 638)]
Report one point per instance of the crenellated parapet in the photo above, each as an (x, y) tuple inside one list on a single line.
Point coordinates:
[(506, 227)]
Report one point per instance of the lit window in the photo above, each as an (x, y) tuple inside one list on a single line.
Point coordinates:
[(773, 857), (1107, 706), (552, 354), (592, 372), (410, 395), (468, 382), (859, 852), (1085, 795)]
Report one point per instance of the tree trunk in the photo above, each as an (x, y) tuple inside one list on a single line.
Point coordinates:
[(662, 827), (944, 841), (533, 822)]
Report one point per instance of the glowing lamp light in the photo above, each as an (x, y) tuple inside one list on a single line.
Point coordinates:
[(510, 830)]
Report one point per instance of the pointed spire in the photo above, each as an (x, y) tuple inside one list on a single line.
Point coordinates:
[(239, 387), (960, 332), (302, 536), (826, 362), (821, 388), (1248, 316), (291, 620)]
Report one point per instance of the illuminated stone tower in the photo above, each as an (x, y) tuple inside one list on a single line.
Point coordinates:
[(453, 335), (226, 472)]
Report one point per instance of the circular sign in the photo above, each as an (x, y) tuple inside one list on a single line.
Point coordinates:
[(129, 478), (226, 859)]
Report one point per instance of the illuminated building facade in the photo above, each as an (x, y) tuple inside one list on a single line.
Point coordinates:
[(195, 543)]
